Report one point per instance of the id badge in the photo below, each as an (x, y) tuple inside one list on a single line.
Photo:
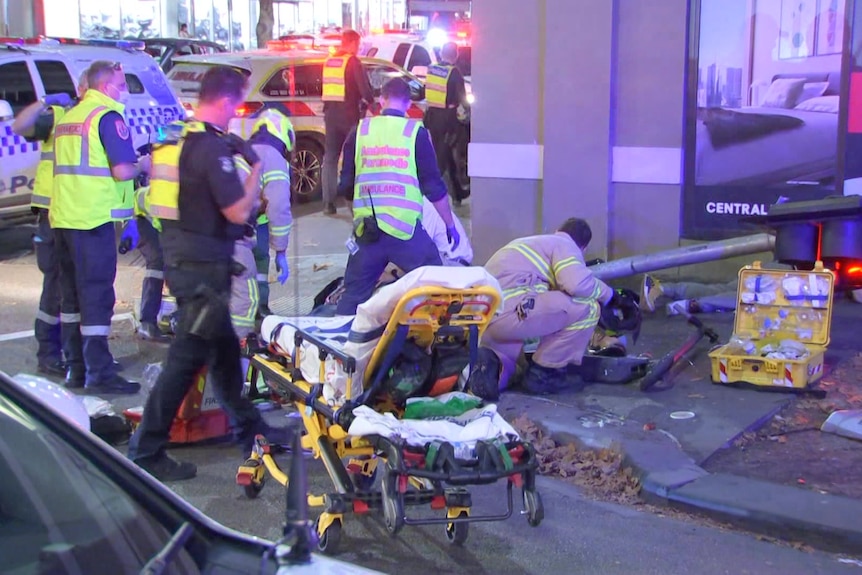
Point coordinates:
[(352, 247)]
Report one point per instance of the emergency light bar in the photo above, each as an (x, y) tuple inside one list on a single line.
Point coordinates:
[(122, 44)]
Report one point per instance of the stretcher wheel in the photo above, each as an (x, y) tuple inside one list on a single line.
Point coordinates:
[(457, 533), (330, 541), (393, 504), (253, 489), (533, 507)]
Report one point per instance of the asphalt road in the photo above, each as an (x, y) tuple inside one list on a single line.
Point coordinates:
[(577, 536)]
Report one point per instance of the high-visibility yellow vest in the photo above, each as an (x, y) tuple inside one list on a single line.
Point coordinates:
[(85, 194), (387, 184), (44, 185), (436, 85), (333, 78), (162, 200)]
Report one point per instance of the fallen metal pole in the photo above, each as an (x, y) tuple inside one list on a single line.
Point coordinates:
[(684, 256)]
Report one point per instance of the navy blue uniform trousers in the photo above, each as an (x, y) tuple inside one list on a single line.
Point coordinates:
[(261, 258), (366, 265), (186, 356), (47, 325), (154, 276), (88, 267)]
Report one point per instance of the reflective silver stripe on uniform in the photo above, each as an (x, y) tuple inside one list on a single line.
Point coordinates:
[(165, 212), (364, 127), (84, 169), (70, 318), (165, 172), (154, 274), (385, 177), (47, 157), (263, 278), (49, 319), (386, 202), (40, 201), (396, 223), (95, 330), (122, 213), (408, 128)]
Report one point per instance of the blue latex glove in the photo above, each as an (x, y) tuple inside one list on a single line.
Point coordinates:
[(453, 237), (62, 99), (281, 267), (130, 237)]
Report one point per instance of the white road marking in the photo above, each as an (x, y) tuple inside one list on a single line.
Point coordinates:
[(25, 334)]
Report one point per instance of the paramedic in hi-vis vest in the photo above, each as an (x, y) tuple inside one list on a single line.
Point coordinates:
[(389, 165), (95, 165), (444, 92), (36, 123), (203, 208), (548, 293), (271, 140), (346, 95)]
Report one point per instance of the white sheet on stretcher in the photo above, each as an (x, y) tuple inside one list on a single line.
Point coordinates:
[(463, 431), (370, 316)]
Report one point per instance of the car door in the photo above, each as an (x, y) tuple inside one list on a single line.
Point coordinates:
[(381, 72)]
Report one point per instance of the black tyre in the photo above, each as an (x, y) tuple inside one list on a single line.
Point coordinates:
[(329, 542), (534, 508), (393, 505), (457, 533), (306, 171)]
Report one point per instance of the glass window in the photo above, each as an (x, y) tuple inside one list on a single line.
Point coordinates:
[(59, 513), (297, 81), (203, 22), (400, 56), (100, 19), (16, 85), (419, 57), (55, 77), (134, 84), (142, 19), (763, 116), (379, 74)]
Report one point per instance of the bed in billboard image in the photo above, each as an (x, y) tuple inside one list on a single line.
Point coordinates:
[(790, 136)]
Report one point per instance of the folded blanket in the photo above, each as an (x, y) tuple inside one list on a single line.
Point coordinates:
[(727, 127), (463, 431)]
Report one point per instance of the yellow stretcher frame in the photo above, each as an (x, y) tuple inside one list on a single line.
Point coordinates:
[(423, 311)]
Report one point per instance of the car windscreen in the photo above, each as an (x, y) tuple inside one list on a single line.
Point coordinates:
[(60, 514)]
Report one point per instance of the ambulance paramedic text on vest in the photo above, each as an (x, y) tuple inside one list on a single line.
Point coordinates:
[(389, 164), (36, 123), (202, 208), (95, 165), (346, 93)]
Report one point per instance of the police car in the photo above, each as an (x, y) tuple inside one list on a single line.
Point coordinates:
[(290, 79), (415, 51), (30, 69)]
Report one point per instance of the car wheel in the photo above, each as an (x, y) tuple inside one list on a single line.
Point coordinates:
[(306, 171)]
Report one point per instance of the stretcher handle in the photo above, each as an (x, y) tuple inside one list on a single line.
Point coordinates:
[(484, 304)]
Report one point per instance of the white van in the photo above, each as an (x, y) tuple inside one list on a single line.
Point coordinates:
[(30, 69)]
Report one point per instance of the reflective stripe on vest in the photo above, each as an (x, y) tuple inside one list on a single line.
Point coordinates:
[(85, 194), (386, 182), (162, 201), (333, 78), (436, 85), (44, 183)]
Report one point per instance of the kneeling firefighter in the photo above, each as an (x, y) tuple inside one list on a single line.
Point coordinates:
[(550, 294), (203, 208), (272, 141)]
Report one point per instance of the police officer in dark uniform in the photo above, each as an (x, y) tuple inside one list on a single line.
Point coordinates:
[(445, 91), (214, 207), (346, 96)]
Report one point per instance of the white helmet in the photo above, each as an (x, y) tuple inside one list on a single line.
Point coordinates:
[(67, 405)]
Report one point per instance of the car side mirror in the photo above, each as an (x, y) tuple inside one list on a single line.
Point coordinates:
[(6, 112)]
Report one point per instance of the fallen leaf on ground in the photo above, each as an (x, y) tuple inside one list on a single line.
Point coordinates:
[(310, 244), (696, 395), (320, 267)]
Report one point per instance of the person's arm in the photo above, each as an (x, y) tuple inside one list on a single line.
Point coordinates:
[(363, 85), (430, 181), (348, 168), (36, 122), (573, 276), (117, 141), (234, 198), (458, 89), (276, 190)]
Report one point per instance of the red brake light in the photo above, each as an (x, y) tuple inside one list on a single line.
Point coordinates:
[(248, 108), (854, 270)]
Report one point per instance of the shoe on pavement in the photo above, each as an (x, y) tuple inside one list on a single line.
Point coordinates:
[(53, 367), (151, 332), (542, 380), (650, 292), (115, 384), (263, 311), (679, 307), (76, 376), (330, 210), (165, 468)]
